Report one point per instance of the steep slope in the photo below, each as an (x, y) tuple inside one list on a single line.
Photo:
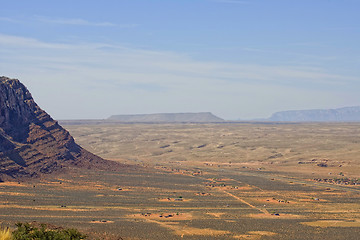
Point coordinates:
[(168, 117), (346, 114), (31, 142)]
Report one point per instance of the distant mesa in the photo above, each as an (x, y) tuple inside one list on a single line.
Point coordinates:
[(202, 117), (346, 114), (31, 142)]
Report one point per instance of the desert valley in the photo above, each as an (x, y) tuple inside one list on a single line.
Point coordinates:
[(223, 180)]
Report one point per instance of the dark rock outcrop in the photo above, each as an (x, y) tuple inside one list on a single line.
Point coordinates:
[(31, 142)]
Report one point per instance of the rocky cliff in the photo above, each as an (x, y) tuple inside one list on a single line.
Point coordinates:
[(31, 142)]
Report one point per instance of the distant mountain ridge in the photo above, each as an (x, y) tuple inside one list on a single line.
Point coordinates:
[(345, 114), (168, 117)]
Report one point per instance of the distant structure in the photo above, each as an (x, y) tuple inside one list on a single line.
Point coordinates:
[(346, 114), (202, 117)]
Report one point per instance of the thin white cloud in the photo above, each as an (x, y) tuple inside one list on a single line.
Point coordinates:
[(9, 41), (296, 54), (70, 21), (78, 21), (74, 21), (7, 19), (81, 22), (104, 79), (138, 61)]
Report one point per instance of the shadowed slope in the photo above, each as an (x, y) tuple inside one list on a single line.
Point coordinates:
[(31, 142)]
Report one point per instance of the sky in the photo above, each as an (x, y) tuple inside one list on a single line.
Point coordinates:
[(239, 59)]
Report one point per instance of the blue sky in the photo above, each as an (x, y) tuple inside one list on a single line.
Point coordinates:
[(239, 59)]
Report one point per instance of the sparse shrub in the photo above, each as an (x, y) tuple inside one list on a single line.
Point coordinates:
[(5, 234), (25, 231)]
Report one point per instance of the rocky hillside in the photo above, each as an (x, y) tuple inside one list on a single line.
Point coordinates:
[(346, 114), (168, 118), (31, 142)]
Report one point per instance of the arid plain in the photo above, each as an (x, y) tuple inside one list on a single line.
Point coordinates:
[(203, 181)]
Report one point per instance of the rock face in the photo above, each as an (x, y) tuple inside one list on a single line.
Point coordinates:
[(31, 142), (346, 114), (168, 118)]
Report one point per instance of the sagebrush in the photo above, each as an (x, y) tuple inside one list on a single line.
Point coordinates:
[(25, 231)]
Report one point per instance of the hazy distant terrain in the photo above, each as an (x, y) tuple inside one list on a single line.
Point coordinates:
[(168, 117), (346, 114)]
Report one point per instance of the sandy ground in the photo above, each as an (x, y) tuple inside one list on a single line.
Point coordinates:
[(333, 223), (239, 181)]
